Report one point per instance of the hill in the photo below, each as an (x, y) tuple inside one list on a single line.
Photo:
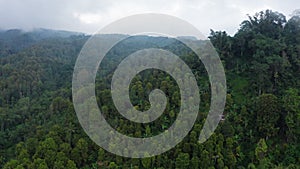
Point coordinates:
[(260, 129)]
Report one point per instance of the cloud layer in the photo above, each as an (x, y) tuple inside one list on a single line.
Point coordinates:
[(90, 15)]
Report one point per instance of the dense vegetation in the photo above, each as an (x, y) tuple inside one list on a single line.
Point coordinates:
[(39, 128)]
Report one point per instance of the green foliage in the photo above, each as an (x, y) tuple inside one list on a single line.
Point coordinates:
[(182, 161), (291, 103), (267, 114), (261, 149), (260, 127)]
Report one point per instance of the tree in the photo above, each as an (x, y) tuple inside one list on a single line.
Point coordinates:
[(182, 161), (112, 165), (291, 104), (80, 153), (146, 162), (39, 164), (71, 165), (195, 162), (205, 160), (265, 22), (223, 43), (47, 150), (12, 164), (267, 114), (261, 149), (230, 159)]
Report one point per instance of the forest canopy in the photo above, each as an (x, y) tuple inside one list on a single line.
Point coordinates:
[(260, 129)]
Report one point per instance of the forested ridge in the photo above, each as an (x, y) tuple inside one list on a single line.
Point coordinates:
[(260, 128)]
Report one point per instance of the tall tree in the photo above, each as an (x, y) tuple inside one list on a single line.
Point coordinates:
[(267, 114)]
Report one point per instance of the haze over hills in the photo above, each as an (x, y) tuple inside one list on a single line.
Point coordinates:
[(17, 39), (14, 40)]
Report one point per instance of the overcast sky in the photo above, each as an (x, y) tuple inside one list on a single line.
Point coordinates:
[(88, 16)]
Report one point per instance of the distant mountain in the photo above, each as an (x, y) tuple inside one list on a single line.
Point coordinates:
[(188, 37), (14, 40), (48, 33), (36, 34)]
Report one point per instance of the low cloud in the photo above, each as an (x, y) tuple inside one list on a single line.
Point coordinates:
[(89, 15)]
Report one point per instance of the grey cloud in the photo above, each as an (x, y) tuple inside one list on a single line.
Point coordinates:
[(90, 15)]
